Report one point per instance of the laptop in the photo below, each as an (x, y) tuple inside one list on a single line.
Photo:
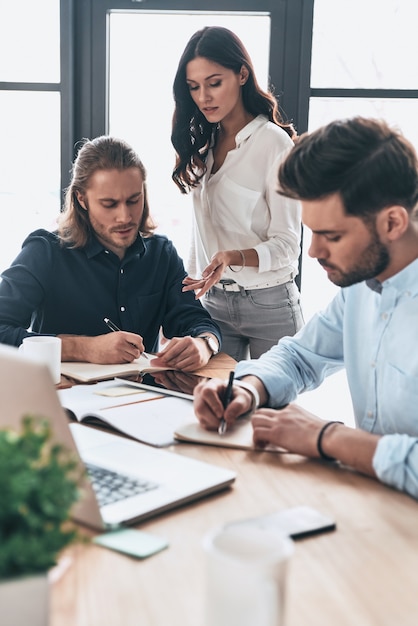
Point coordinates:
[(160, 479)]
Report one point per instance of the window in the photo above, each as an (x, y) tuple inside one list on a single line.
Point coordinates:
[(327, 60), (135, 50), (140, 96), (364, 62), (30, 123)]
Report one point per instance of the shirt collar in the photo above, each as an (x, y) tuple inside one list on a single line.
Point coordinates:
[(249, 129), (405, 280), (94, 247)]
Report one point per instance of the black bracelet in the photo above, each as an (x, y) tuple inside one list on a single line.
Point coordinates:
[(322, 454)]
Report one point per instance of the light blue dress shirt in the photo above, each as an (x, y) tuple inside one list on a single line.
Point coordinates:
[(372, 330)]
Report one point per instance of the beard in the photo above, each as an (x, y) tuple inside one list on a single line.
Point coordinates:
[(374, 260)]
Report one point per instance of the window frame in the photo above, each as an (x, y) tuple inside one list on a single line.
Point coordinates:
[(290, 45)]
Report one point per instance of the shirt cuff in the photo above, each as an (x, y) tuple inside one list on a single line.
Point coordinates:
[(253, 391), (390, 460)]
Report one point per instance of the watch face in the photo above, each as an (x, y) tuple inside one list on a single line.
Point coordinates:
[(213, 345)]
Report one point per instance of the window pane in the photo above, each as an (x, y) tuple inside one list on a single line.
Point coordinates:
[(317, 290), (397, 112), (29, 166), (141, 104), (29, 41), (365, 44)]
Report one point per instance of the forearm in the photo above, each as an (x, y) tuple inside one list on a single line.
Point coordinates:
[(301, 432), (75, 348), (350, 446), (242, 258)]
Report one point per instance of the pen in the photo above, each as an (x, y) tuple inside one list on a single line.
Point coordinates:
[(227, 400), (116, 329), (111, 325)]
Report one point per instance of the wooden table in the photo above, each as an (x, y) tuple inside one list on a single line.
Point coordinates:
[(363, 574)]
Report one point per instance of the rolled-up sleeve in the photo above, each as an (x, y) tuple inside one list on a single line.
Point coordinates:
[(396, 462)]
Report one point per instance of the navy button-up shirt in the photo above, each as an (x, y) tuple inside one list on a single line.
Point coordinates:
[(53, 289)]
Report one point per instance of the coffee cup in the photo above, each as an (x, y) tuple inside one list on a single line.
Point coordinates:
[(44, 349), (246, 576)]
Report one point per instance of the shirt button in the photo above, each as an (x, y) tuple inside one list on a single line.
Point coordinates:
[(106, 251), (122, 308), (121, 270), (369, 413), (384, 316), (373, 364)]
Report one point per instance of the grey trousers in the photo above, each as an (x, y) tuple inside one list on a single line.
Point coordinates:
[(253, 320)]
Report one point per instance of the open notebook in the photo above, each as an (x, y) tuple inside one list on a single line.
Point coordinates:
[(167, 479), (90, 372), (145, 413)]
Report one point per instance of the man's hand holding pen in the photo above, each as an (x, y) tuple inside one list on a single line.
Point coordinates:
[(210, 401), (116, 347), (119, 346)]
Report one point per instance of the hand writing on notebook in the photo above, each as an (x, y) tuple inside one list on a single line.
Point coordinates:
[(112, 347), (209, 403), (183, 353)]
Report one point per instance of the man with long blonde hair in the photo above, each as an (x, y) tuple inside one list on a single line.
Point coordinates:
[(105, 261)]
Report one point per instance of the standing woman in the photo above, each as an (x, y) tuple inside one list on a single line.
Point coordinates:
[(229, 141)]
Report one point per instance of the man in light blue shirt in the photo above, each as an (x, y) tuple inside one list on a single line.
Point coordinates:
[(358, 183)]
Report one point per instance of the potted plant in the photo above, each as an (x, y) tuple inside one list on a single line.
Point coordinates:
[(38, 485)]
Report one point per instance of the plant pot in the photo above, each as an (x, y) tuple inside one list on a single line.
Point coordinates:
[(24, 601)]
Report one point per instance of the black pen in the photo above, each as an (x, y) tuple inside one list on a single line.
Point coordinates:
[(116, 329), (227, 400)]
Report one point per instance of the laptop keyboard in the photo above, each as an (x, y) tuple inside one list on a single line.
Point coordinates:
[(112, 487)]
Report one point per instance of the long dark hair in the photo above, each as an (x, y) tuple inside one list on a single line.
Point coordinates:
[(191, 132), (101, 153)]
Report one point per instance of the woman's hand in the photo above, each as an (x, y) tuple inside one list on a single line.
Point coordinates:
[(211, 275)]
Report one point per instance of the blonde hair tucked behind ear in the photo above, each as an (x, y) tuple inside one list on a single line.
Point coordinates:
[(101, 153)]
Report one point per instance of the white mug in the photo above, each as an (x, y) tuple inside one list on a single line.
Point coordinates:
[(246, 576), (46, 350)]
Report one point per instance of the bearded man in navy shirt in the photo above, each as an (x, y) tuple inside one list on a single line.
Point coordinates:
[(105, 261)]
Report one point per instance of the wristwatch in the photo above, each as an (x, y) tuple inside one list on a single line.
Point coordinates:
[(212, 343)]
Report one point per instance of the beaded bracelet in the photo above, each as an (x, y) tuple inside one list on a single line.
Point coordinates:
[(242, 261), (322, 454)]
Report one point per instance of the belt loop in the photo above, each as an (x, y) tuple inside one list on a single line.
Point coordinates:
[(242, 291)]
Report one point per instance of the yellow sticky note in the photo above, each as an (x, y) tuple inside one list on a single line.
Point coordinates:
[(119, 390)]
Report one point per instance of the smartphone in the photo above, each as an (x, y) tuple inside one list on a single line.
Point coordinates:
[(297, 522)]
